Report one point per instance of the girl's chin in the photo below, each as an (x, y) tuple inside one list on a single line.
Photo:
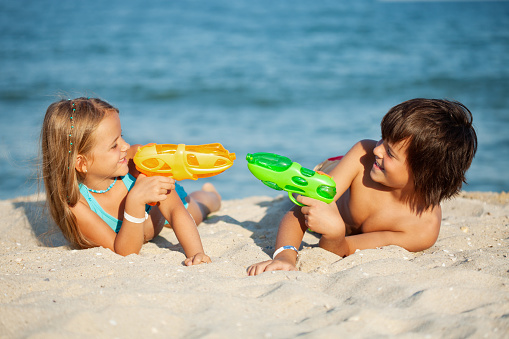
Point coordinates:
[(123, 170)]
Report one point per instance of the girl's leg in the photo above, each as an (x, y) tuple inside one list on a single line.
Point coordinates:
[(204, 202)]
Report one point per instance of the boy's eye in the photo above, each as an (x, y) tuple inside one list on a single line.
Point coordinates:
[(389, 152)]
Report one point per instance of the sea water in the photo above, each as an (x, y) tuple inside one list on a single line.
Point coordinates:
[(305, 79)]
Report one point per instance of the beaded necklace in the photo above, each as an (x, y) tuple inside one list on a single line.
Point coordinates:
[(102, 191)]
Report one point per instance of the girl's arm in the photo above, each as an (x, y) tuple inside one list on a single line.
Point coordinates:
[(132, 150), (129, 240), (185, 229), (92, 226), (131, 236)]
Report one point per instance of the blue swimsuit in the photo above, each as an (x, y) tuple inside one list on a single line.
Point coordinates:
[(128, 181)]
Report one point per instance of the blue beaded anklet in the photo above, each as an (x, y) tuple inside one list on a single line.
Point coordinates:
[(102, 191)]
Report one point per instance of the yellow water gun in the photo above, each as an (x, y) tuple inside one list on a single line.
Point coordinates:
[(183, 162)]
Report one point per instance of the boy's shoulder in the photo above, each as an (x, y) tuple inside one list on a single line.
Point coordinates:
[(361, 152), (365, 146)]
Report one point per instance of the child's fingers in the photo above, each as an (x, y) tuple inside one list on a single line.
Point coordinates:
[(258, 268), (167, 184), (307, 201), (164, 179), (197, 259)]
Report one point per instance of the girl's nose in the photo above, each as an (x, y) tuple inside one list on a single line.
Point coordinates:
[(125, 146)]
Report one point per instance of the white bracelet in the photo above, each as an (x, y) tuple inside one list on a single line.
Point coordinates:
[(135, 220), (282, 248)]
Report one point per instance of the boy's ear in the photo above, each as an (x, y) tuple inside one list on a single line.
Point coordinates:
[(81, 164)]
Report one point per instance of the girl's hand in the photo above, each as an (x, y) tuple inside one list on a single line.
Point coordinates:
[(152, 189), (270, 265), (322, 218), (197, 259)]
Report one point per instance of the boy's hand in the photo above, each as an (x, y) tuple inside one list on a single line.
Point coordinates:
[(322, 218), (270, 265), (198, 258)]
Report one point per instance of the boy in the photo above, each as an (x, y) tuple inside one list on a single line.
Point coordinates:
[(388, 192)]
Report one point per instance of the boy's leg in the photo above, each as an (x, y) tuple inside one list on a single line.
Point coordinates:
[(328, 165)]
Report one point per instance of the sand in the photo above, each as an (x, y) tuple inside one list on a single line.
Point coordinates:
[(459, 288)]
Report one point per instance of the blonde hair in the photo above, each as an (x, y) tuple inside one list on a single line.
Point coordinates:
[(67, 131)]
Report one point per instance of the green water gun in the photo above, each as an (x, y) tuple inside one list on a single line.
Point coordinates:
[(280, 173)]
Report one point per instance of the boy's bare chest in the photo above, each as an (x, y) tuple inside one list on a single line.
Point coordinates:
[(364, 213)]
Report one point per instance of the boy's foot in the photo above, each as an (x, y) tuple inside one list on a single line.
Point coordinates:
[(327, 165)]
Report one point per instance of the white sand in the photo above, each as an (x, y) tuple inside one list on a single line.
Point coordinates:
[(459, 288)]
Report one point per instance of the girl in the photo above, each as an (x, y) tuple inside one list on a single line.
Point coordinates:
[(97, 199)]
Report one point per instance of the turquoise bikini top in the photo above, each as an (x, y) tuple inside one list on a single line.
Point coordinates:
[(113, 222)]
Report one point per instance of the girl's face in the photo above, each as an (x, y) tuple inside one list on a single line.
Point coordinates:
[(108, 158), (390, 167)]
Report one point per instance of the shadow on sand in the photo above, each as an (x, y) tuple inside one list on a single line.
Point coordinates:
[(265, 230), (44, 229)]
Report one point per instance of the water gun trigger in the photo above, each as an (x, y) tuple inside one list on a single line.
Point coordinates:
[(292, 198)]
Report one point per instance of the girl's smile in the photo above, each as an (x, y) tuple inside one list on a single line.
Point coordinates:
[(109, 155)]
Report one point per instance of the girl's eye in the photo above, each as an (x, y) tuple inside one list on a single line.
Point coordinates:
[(114, 146)]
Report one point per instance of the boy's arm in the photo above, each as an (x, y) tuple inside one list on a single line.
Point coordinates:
[(295, 222), (325, 218), (130, 155), (351, 166), (132, 150), (290, 233), (414, 239)]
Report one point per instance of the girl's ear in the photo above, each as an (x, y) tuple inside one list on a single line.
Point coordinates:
[(81, 164)]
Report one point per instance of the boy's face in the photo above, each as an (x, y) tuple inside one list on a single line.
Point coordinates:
[(390, 167)]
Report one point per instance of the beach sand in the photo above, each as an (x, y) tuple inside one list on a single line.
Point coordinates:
[(459, 288)]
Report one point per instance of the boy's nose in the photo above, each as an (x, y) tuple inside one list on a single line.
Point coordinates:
[(378, 148)]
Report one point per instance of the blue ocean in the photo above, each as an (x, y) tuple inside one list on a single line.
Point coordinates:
[(304, 79)]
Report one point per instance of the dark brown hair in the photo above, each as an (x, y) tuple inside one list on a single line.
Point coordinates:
[(441, 144), (67, 131)]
